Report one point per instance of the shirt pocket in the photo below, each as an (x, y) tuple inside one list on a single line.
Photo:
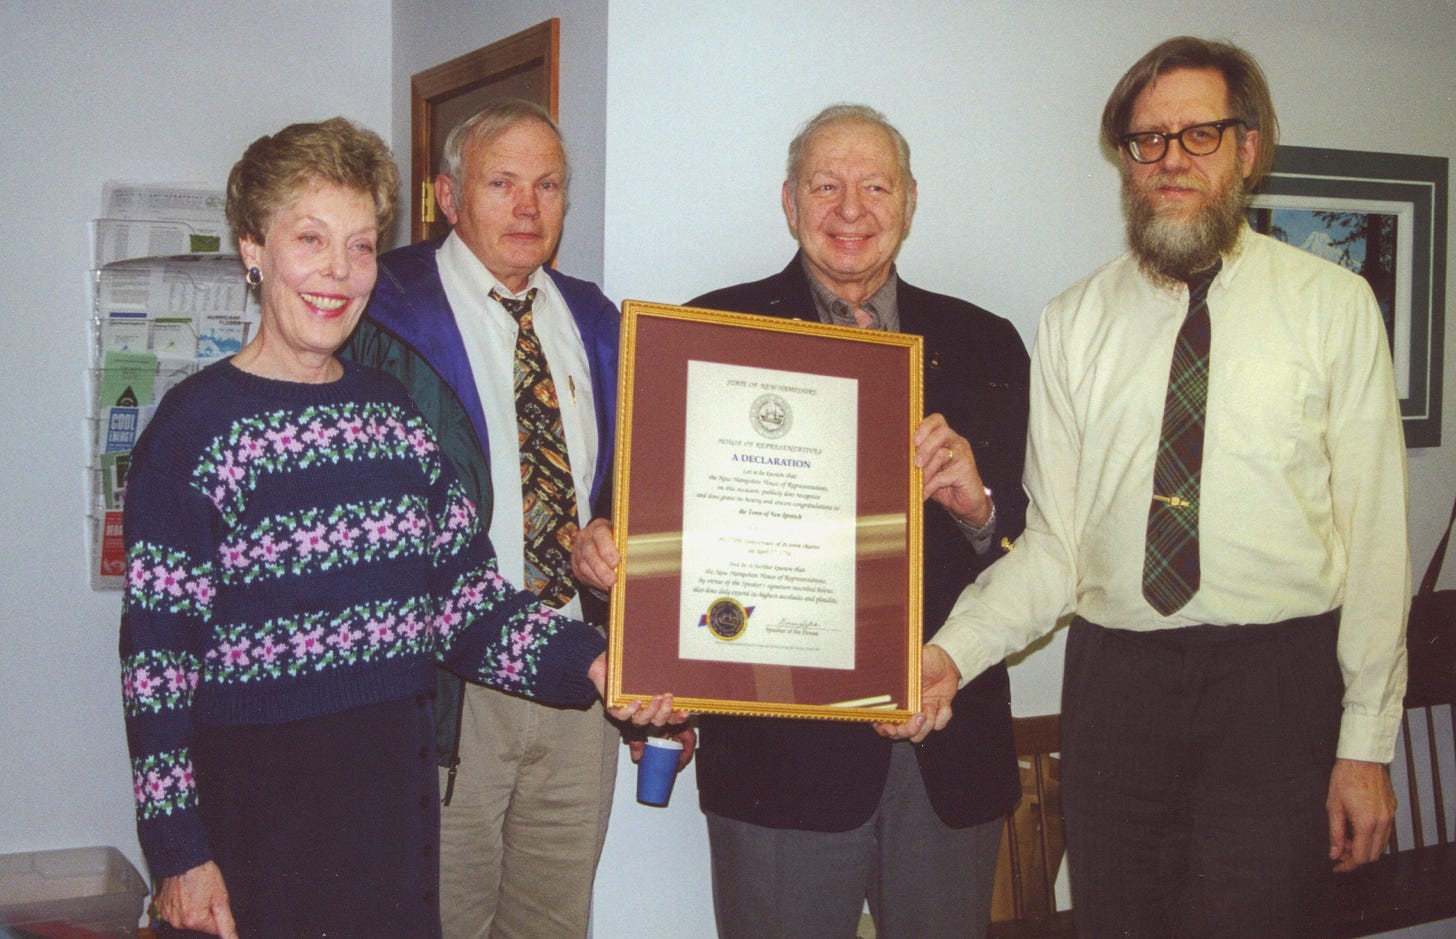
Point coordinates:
[(1269, 411)]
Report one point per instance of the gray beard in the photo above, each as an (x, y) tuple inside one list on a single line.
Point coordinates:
[(1169, 250)]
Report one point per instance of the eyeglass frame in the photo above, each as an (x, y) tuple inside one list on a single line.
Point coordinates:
[(1127, 139)]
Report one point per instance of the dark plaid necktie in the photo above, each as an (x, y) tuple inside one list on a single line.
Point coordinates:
[(1170, 559), (548, 494)]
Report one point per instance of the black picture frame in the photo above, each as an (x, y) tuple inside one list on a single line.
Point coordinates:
[(1384, 216)]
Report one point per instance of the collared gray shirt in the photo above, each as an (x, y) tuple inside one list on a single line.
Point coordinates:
[(883, 305)]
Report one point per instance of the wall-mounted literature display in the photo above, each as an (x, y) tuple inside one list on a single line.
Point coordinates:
[(167, 298)]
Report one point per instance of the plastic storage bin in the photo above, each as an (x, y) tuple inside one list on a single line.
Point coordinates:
[(94, 889)]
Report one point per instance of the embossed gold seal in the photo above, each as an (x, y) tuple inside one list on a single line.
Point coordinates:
[(727, 619)]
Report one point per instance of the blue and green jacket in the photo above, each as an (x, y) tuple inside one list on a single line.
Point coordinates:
[(409, 331)]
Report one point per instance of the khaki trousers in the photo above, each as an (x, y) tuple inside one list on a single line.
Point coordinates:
[(520, 839)]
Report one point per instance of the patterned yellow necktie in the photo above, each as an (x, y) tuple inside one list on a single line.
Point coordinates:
[(548, 494)]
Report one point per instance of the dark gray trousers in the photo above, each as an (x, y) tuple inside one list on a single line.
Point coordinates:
[(1196, 762), (923, 879)]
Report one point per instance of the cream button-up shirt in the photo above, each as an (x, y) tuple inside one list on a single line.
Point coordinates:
[(1304, 494)]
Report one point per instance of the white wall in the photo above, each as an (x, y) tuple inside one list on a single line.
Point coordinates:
[(677, 115), (1000, 102), (141, 90)]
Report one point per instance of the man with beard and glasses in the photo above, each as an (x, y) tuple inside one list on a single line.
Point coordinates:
[(1218, 499)]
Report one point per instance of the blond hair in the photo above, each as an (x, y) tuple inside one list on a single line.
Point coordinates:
[(275, 170)]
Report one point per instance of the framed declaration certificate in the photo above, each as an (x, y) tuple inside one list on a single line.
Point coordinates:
[(768, 514)]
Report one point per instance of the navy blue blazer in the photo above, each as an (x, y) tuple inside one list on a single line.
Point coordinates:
[(826, 775)]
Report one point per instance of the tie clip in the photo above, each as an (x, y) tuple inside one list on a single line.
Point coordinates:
[(1173, 501)]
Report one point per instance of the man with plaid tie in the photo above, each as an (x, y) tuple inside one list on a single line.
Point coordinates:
[(516, 366), (1218, 499)]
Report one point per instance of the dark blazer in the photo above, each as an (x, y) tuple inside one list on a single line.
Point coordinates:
[(828, 776)]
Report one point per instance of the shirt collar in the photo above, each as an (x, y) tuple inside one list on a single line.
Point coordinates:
[(470, 273), (1234, 255), (883, 305)]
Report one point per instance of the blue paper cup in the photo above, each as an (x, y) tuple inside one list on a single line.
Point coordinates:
[(657, 769)]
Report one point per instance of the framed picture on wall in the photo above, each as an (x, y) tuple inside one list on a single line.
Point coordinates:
[(1382, 215)]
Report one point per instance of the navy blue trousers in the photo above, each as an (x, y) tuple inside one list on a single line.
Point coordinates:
[(327, 826)]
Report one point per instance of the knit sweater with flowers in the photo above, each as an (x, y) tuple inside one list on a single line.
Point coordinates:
[(296, 550)]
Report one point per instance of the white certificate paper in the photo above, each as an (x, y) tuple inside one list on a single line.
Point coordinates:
[(769, 487)]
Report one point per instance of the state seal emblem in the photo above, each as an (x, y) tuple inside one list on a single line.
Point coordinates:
[(771, 416)]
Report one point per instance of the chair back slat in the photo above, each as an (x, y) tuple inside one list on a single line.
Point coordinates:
[(1437, 790), (1412, 776), (1043, 831), (1018, 885), (1424, 768), (1033, 837)]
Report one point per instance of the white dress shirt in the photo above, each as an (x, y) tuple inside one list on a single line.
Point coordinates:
[(1303, 488), (490, 343)]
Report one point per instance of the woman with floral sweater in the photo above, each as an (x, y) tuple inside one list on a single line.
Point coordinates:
[(300, 555)]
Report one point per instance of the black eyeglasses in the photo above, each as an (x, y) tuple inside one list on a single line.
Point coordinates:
[(1196, 140)]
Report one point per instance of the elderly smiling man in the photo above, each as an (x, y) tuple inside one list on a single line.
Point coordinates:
[(808, 818)]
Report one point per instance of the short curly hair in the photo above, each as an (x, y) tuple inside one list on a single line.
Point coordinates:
[(275, 170)]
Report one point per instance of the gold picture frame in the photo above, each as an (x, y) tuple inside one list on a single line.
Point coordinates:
[(679, 364)]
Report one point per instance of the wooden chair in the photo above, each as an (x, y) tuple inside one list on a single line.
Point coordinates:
[(1415, 882), (1033, 845)]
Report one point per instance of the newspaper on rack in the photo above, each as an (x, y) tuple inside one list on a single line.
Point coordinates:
[(178, 202), (179, 307), (168, 298), (154, 220)]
